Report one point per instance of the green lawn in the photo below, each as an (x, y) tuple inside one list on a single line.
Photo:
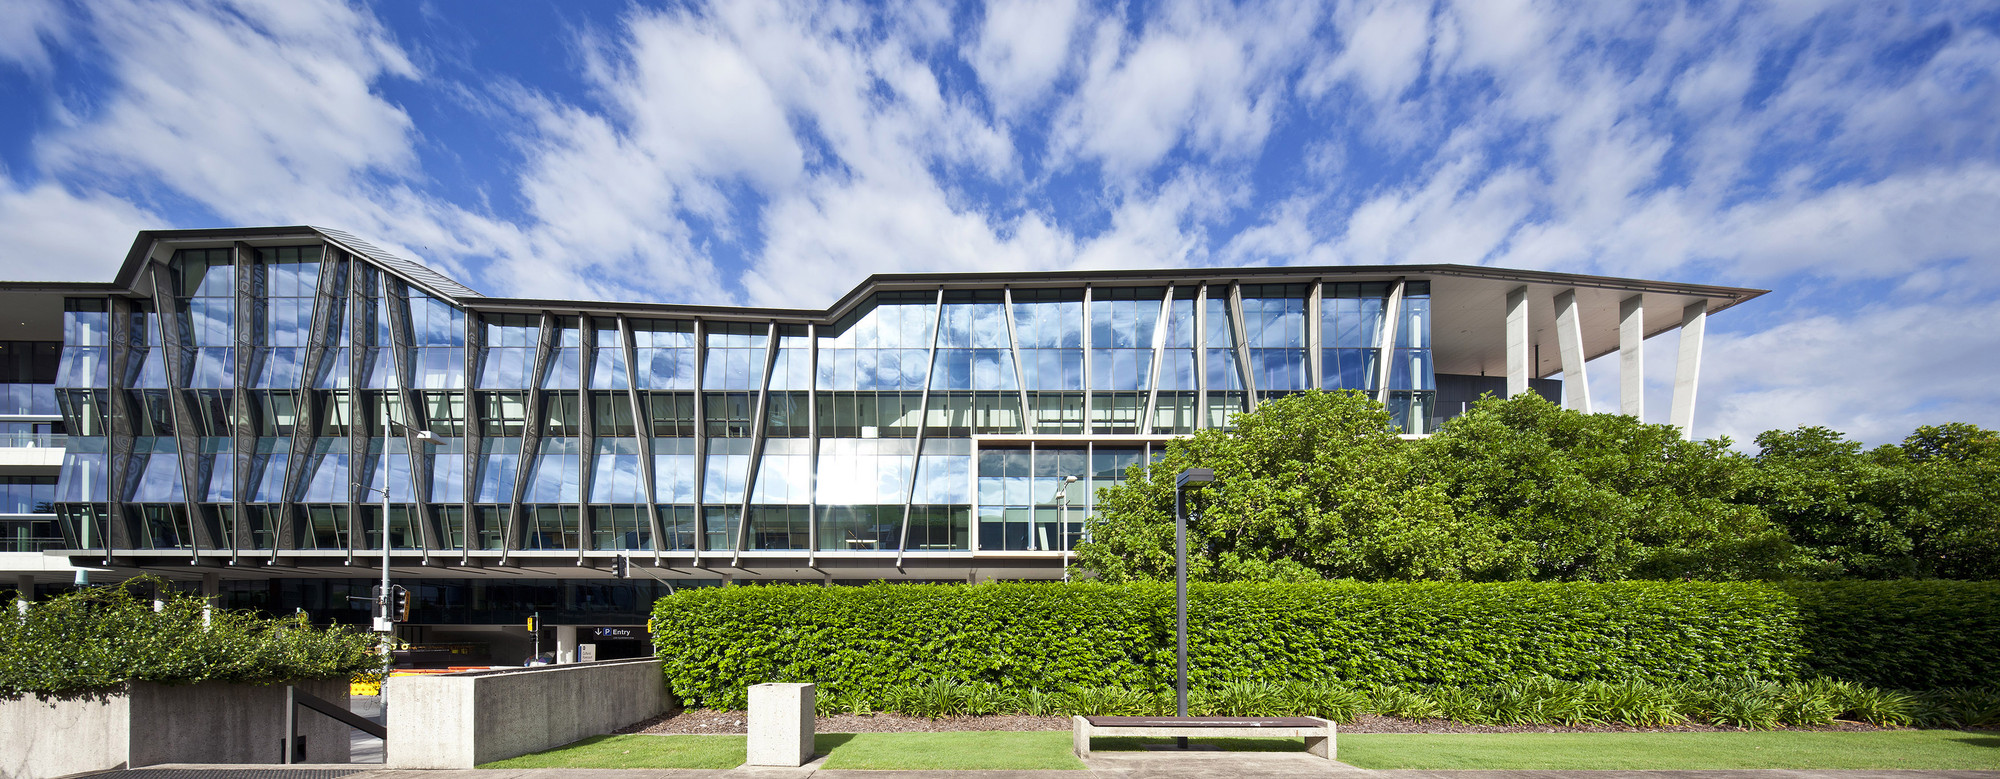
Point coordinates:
[(1912, 749), (636, 752), (912, 751)]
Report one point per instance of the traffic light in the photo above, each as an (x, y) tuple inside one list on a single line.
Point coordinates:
[(621, 567), (399, 603)]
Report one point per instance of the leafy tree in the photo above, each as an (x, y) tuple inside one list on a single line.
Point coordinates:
[(1927, 508), (1311, 485), (1574, 496)]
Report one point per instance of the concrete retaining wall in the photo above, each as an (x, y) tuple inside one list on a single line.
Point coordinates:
[(146, 724), (465, 719)]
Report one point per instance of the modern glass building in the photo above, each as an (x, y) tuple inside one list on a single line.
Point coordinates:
[(216, 412)]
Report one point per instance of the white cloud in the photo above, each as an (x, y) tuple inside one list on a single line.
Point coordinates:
[(27, 28), (1875, 374), (56, 235), (1023, 47), (1202, 76), (1383, 49)]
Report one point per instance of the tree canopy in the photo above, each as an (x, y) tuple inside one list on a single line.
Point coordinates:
[(1320, 485)]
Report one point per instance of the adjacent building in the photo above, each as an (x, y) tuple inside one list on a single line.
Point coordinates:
[(233, 408)]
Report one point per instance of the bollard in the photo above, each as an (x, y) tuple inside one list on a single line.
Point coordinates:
[(781, 724)]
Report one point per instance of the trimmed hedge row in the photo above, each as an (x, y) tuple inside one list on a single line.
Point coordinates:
[(1912, 635), (866, 640)]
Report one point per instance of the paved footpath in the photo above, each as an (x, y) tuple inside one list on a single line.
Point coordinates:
[(1229, 765)]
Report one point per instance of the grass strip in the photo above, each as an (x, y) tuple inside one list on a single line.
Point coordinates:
[(957, 751), (1901, 749), (636, 751)]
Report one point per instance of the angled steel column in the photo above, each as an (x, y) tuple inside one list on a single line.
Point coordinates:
[(812, 446), (1159, 352), (531, 433), (1089, 421), (475, 437), (1569, 346), (402, 346), (242, 430), (923, 419), (1632, 357), (126, 318), (1687, 370), (1385, 348), (756, 442), (586, 439), (1519, 341), (1201, 357), (1241, 334), (1314, 337), (700, 440), (642, 426), (178, 364), (359, 279), (1014, 346)]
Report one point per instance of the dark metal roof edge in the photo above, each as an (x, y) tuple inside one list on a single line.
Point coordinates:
[(894, 281), (414, 272)]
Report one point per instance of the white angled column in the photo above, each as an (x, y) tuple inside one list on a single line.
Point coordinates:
[(1687, 370), (1517, 341), (1569, 338), (1632, 357)]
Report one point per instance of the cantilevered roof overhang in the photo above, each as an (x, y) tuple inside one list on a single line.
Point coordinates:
[(1468, 303)]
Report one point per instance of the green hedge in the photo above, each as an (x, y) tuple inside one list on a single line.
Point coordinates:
[(866, 640), (1912, 635), (96, 639)]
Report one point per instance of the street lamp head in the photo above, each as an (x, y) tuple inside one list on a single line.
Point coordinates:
[(428, 437), (1069, 479), (1194, 476)]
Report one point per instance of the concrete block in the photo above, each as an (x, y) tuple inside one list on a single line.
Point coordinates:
[(466, 719), (146, 724), (781, 724)]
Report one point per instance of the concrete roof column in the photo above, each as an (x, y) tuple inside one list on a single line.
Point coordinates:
[(1517, 341), (1569, 343), (1687, 370), (1632, 357)]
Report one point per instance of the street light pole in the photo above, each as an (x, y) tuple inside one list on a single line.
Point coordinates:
[(1196, 476), (383, 624), (1062, 522)]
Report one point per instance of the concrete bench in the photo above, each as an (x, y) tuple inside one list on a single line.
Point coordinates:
[(1319, 733)]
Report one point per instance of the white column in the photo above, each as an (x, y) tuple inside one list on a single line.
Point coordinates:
[(1569, 342), (1385, 349), (211, 590), (24, 589), (1687, 370), (1517, 341), (1632, 357), (565, 643)]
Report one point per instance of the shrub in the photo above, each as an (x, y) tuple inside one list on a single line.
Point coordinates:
[(714, 642), (96, 639), (1913, 635)]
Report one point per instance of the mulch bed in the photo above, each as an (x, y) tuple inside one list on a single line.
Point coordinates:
[(706, 721)]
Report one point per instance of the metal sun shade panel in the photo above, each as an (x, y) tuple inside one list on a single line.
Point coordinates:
[(812, 444), (1315, 359), (1201, 356), (179, 363), (329, 306), (1014, 348), (531, 433), (242, 431), (1241, 334), (1159, 354), (474, 436), (1385, 350), (396, 297), (642, 425), (700, 441), (359, 317)]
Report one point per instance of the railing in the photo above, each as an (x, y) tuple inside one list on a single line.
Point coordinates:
[(29, 399), (33, 440), (29, 543)]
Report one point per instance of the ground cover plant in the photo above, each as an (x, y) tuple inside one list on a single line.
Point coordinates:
[(1534, 701), (95, 639)]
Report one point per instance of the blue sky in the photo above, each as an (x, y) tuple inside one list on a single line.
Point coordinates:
[(1845, 155)]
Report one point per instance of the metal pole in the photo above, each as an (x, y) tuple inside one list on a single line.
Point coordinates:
[(382, 600), (291, 723), (1180, 611)]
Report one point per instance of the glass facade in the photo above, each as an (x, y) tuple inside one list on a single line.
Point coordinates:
[(239, 410)]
